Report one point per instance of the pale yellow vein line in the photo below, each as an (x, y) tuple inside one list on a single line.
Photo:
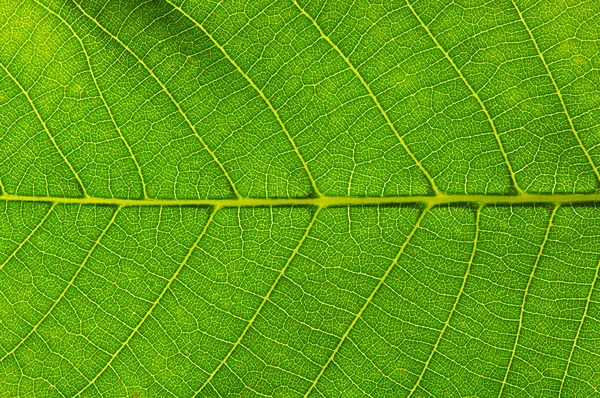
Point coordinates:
[(262, 304), (558, 93), (154, 304), (474, 94), (373, 97), (87, 58), (35, 110), (535, 265), (33, 231), (168, 93), (368, 300), (258, 90), (585, 314), (2, 191), (454, 306), (322, 201), (62, 294)]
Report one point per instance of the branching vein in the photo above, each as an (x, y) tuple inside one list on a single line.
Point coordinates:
[(258, 90), (475, 95), (373, 97), (368, 300), (520, 327), (262, 304), (50, 136), (154, 304), (67, 287), (168, 93), (454, 306), (558, 93)]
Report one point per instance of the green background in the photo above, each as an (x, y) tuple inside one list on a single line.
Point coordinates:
[(299, 198)]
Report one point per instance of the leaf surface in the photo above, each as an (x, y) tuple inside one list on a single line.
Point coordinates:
[(299, 198)]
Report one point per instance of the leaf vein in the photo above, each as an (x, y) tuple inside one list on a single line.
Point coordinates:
[(67, 287), (373, 97), (33, 231), (154, 304), (50, 136), (474, 94), (258, 90), (558, 92), (168, 93), (454, 306), (262, 304), (368, 300), (531, 277)]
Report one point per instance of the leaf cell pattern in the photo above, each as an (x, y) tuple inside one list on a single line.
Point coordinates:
[(299, 198)]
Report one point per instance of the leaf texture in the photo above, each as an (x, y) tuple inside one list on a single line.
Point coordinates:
[(299, 198)]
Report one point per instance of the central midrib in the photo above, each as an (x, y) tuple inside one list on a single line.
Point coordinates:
[(322, 201)]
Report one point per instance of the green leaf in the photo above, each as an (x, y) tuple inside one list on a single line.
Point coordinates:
[(299, 198)]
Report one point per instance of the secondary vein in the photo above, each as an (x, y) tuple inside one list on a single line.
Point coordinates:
[(154, 304), (262, 304), (373, 97), (110, 114), (50, 136), (258, 90), (369, 299), (454, 306), (168, 93), (585, 315), (31, 233), (530, 280), (558, 93), (69, 284), (473, 93)]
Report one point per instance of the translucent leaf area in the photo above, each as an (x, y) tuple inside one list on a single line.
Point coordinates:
[(318, 198)]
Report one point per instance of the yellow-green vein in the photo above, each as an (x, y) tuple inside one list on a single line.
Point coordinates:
[(50, 136), (155, 303), (558, 93), (474, 94), (531, 275), (258, 90), (373, 97), (369, 299), (168, 93), (69, 284), (263, 302), (322, 201), (585, 314), (101, 95), (454, 306), (33, 231)]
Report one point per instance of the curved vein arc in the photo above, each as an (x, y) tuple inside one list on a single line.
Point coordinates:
[(454, 306), (535, 265), (69, 284), (262, 304), (258, 90), (474, 94), (369, 299), (558, 93), (39, 117), (155, 303), (373, 97), (87, 58), (33, 231), (585, 314), (168, 93)]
